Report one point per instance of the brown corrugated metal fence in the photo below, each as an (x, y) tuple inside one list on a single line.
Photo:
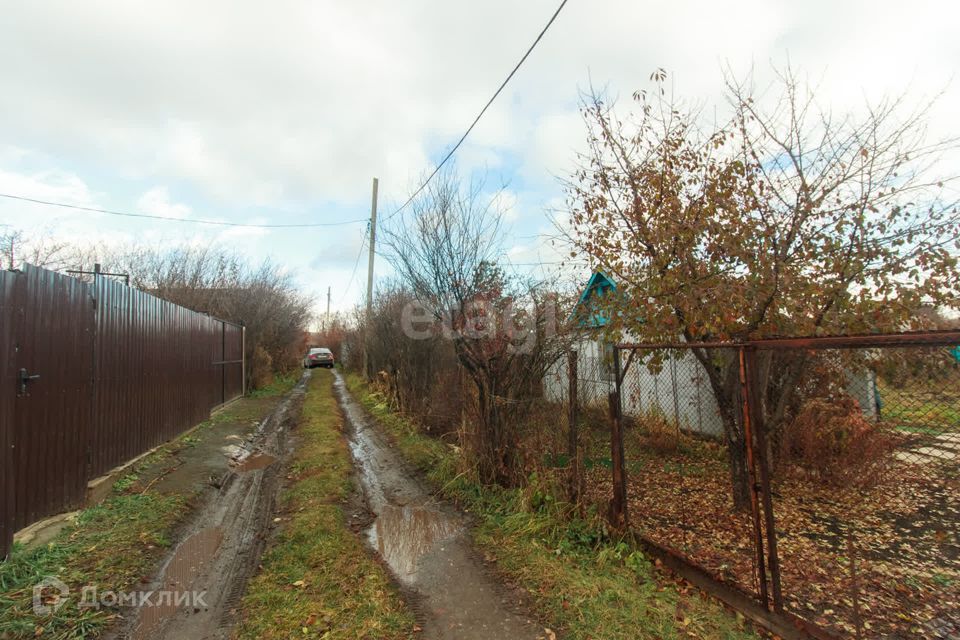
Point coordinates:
[(7, 381), (93, 375)]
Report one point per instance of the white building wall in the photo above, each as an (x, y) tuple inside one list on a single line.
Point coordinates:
[(679, 390)]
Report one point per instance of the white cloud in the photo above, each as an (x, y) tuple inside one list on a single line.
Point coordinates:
[(336, 253), (294, 106), (156, 202), (257, 103), (53, 185)]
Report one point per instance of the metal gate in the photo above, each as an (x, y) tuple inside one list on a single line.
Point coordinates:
[(47, 370), (7, 368)]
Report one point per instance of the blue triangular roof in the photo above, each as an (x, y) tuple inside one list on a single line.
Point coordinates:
[(598, 284)]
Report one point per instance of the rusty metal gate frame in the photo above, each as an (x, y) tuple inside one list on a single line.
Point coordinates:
[(762, 511)]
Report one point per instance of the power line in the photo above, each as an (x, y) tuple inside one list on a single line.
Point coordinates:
[(173, 219), (353, 275), (482, 111), (569, 262), (550, 264)]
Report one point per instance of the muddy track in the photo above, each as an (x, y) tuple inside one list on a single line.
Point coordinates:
[(222, 546), (424, 543)]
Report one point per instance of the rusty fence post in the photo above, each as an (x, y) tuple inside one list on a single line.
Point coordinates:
[(618, 504), (746, 412), (763, 463), (572, 438)]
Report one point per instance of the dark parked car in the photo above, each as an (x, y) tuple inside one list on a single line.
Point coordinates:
[(318, 357)]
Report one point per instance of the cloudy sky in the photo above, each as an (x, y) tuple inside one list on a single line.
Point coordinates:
[(283, 111)]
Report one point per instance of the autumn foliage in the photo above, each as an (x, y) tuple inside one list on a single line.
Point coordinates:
[(779, 218)]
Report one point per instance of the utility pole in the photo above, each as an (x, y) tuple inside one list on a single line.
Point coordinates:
[(327, 318), (373, 244)]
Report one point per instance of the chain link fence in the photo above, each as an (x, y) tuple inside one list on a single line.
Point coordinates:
[(865, 486), (819, 477)]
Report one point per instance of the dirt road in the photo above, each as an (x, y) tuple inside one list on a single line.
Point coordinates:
[(221, 551), (425, 545), (422, 540)]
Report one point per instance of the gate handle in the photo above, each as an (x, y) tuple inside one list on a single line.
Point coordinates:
[(25, 378)]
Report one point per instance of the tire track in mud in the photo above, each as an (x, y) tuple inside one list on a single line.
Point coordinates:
[(222, 548), (423, 541)]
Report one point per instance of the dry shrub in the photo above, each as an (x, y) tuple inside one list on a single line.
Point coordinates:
[(659, 434), (833, 440), (444, 410), (261, 368), (541, 441)]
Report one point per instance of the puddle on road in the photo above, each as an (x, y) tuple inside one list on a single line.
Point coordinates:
[(179, 577), (423, 542), (407, 526), (385, 481), (403, 535), (256, 461)]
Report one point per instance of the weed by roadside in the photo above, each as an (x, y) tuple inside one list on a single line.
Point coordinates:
[(279, 385), (317, 580), (581, 580)]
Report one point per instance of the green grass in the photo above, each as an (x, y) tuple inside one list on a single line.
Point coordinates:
[(317, 579), (916, 409), (111, 546), (280, 384), (582, 581)]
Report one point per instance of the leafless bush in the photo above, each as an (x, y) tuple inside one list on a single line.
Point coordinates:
[(419, 375), (261, 367), (40, 249), (498, 326)]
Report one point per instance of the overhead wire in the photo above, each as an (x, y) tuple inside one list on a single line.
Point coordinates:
[(356, 265), (503, 84), (221, 223)]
